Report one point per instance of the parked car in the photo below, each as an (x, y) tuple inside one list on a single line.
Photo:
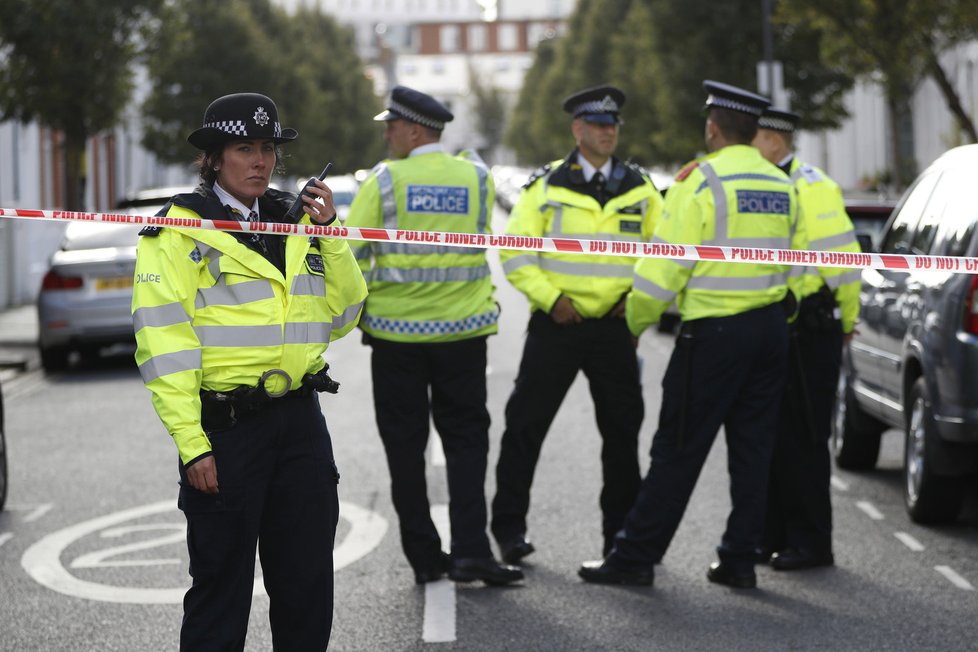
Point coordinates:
[(344, 187), (85, 299), (869, 216), (3, 457), (913, 362)]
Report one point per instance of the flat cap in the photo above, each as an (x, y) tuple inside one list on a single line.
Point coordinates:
[(600, 105), (779, 120), (725, 96), (240, 116), (408, 104)]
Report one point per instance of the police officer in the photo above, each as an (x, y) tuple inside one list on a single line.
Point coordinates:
[(577, 321), (428, 315), (230, 332), (798, 527), (730, 359)]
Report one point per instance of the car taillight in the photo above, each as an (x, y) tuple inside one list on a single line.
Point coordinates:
[(971, 306), (54, 281)]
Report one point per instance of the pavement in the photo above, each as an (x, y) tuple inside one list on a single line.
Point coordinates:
[(18, 339)]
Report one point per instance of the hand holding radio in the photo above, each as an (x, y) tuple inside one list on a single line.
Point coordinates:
[(308, 201)]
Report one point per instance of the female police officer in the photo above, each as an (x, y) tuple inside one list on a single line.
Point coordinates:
[(230, 331)]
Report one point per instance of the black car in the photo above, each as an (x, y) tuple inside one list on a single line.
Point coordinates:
[(913, 362)]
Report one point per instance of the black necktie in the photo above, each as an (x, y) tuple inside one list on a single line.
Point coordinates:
[(598, 180)]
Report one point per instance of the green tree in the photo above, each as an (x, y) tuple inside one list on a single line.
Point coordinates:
[(67, 65), (490, 113), (305, 62)]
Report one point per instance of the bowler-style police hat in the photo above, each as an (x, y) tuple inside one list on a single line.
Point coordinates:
[(415, 106), (725, 96), (779, 120), (598, 105), (240, 116)]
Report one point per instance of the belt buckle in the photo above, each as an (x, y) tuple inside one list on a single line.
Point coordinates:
[(276, 372)]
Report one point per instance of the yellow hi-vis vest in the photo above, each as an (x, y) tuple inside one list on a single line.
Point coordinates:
[(737, 199), (209, 313), (829, 229), (549, 206), (426, 292)]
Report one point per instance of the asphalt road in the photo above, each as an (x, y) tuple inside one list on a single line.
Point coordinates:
[(92, 555)]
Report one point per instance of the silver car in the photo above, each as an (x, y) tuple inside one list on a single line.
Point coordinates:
[(913, 362)]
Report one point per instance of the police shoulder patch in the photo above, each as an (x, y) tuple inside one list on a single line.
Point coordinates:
[(151, 231), (687, 170), (811, 174), (315, 263), (540, 172)]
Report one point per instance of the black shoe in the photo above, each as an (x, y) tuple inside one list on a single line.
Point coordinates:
[(603, 572), (486, 569), (799, 558), (720, 573), (434, 572), (515, 549), (762, 555)]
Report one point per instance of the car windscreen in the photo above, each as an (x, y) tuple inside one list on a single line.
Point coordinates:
[(79, 236)]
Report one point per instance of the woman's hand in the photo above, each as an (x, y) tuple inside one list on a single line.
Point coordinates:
[(321, 211)]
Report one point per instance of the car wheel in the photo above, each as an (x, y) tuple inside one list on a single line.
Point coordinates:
[(855, 434), (930, 498), (54, 358)]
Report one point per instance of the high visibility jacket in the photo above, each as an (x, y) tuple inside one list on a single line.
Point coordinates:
[(210, 313), (419, 292), (553, 204), (736, 199), (829, 229)]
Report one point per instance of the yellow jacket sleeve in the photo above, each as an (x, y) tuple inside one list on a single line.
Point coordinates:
[(523, 267)]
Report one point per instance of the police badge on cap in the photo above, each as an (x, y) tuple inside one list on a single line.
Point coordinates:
[(725, 96), (598, 105), (240, 116)]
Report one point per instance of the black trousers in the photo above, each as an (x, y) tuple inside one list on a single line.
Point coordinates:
[(552, 357), (729, 372), (455, 375), (799, 511), (277, 480)]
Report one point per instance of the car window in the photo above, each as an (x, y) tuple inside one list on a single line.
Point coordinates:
[(960, 213), (900, 233), (80, 235), (930, 218)]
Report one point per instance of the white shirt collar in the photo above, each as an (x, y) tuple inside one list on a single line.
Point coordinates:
[(228, 200), (589, 169), (426, 149), (783, 163)]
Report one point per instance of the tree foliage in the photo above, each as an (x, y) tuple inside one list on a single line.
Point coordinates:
[(305, 62), (67, 65)]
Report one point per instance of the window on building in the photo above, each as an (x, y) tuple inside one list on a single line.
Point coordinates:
[(448, 38), (507, 38), (477, 38)]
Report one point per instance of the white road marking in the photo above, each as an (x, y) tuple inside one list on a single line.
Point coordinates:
[(954, 578), (38, 513), (437, 455), (839, 484), (42, 561), (909, 541), (439, 597), (870, 510), (5, 537)]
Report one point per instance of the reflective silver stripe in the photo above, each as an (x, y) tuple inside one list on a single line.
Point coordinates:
[(736, 283), (239, 335), (169, 363), (557, 223), (851, 276), (483, 174), (429, 274), (720, 209), (348, 316), (214, 266), (409, 249), (523, 260), (234, 295), (798, 270), (305, 332), (308, 285), (388, 203), (654, 290), (362, 252), (168, 314), (601, 270), (833, 241), (760, 243), (750, 175)]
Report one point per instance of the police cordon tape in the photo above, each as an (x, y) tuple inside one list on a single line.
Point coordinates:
[(793, 257)]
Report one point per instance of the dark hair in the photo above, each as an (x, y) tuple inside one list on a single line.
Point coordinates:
[(735, 126), (208, 159)]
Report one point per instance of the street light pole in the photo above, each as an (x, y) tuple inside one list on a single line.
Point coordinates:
[(768, 47)]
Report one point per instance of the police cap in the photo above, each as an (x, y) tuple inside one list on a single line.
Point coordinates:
[(779, 120), (240, 116), (408, 104), (725, 96), (599, 105)]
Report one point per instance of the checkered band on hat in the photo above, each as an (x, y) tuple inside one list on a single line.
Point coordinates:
[(414, 116), (733, 105), (408, 327), (234, 127), (278, 130), (778, 124), (607, 105)]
